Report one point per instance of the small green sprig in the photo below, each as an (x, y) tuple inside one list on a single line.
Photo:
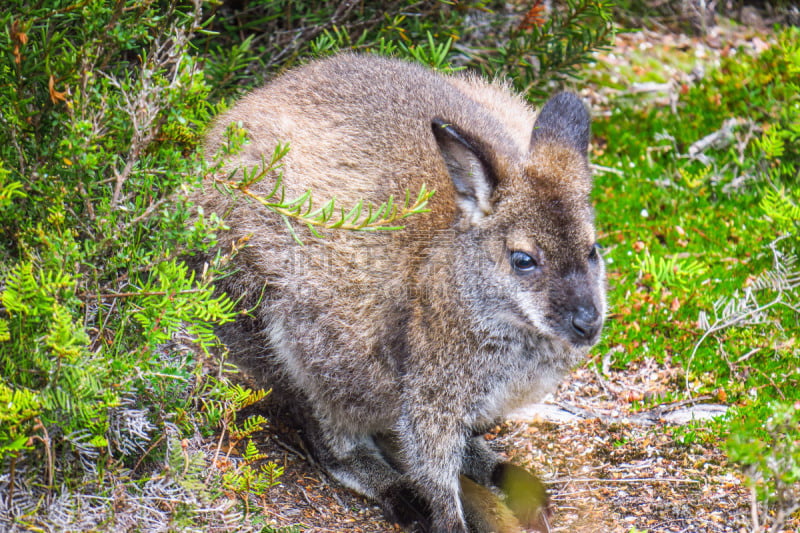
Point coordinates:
[(363, 216)]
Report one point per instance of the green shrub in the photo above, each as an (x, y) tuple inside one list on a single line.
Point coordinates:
[(102, 108), (550, 48), (535, 48)]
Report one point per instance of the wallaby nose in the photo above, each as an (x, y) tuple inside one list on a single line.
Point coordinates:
[(586, 322)]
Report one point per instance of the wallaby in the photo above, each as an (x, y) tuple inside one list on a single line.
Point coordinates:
[(399, 349)]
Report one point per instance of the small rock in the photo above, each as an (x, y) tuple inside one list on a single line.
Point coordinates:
[(539, 412), (695, 412)]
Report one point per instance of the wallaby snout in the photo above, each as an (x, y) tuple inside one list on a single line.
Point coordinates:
[(586, 322), (397, 348), (578, 309)]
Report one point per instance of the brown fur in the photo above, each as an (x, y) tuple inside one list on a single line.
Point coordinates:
[(404, 345)]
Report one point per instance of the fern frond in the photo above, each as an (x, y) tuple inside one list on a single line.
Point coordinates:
[(22, 290), (5, 332), (778, 206), (249, 426), (670, 271), (251, 453)]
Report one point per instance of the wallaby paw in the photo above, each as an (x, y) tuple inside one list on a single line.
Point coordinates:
[(401, 504), (525, 496), (484, 511)]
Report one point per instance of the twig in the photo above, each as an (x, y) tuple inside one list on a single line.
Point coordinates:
[(146, 213), (224, 424), (289, 448), (308, 500), (674, 406), (147, 452), (48, 451), (104, 326), (629, 480), (12, 471), (722, 324), (783, 514), (754, 508), (121, 177), (612, 170), (749, 354), (601, 379), (147, 293)]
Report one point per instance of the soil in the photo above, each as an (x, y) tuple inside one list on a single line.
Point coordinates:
[(608, 468)]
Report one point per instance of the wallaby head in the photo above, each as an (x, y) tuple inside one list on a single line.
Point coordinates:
[(401, 347), (532, 218)]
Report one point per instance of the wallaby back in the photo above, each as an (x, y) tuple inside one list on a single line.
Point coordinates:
[(374, 118), (403, 344)]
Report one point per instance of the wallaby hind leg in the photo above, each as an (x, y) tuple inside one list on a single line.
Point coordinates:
[(524, 494), (402, 502), (360, 464)]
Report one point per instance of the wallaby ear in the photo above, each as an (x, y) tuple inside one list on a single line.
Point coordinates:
[(469, 169), (563, 119)]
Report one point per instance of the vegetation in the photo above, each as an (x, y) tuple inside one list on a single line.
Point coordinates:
[(361, 217), (701, 232), (104, 332), (538, 49)]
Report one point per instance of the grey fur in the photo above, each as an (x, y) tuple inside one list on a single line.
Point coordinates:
[(402, 346)]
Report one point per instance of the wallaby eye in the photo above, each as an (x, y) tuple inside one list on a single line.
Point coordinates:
[(523, 262)]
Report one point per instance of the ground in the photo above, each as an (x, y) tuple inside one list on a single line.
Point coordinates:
[(608, 468), (610, 464)]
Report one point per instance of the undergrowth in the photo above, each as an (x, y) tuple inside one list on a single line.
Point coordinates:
[(701, 222), (105, 335), (538, 48)]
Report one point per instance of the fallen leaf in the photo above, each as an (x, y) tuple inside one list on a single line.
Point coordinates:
[(56, 96)]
